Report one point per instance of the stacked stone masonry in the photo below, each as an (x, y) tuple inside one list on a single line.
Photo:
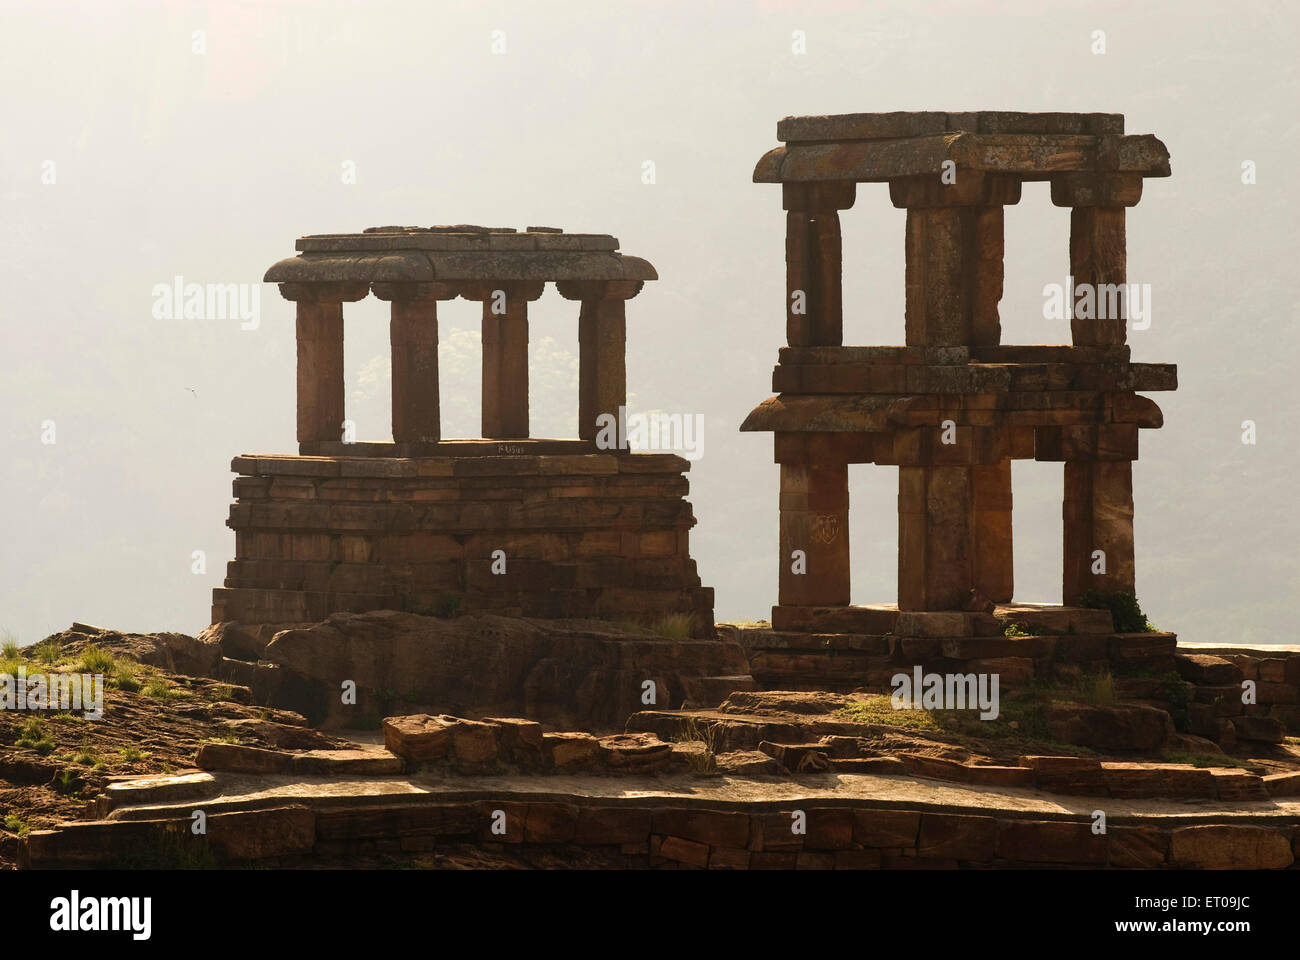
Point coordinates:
[(684, 835)]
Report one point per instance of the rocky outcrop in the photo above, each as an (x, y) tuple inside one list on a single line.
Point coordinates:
[(1129, 727), (172, 652), (569, 673)]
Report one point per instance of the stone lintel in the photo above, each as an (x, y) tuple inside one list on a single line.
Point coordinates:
[(884, 413), (971, 188), (415, 291), (830, 195), (599, 289), (898, 124), (484, 457), (1096, 189), (324, 292), (514, 289), (1027, 156)]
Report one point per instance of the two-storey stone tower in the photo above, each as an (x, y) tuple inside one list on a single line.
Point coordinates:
[(953, 406)]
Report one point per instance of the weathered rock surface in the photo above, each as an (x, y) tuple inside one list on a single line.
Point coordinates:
[(1227, 847), (1128, 727), (569, 673), (173, 652)]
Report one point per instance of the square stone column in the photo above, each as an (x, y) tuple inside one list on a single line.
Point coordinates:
[(413, 340), (814, 520), (954, 515), (320, 355), (954, 243), (505, 355), (954, 506), (936, 537), (991, 507), (1098, 535), (602, 347), (1098, 251), (814, 306)]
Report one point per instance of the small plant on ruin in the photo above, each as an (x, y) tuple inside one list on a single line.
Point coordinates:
[(879, 709), (32, 735), (1097, 688), (16, 824), (45, 653), (1124, 610), (1014, 630), (67, 782), (126, 675), (692, 731), (222, 692), (133, 754), (160, 689), (1204, 760), (222, 738), (96, 661)]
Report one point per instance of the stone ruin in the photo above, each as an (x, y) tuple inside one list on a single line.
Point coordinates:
[(593, 532), (506, 523), (953, 406)]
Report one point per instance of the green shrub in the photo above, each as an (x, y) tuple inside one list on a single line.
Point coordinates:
[(96, 661), (32, 735), (160, 689), (1123, 607)]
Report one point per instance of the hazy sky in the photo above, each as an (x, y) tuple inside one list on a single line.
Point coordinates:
[(203, 155)]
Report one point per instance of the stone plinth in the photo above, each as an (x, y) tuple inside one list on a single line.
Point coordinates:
[(596, 535)]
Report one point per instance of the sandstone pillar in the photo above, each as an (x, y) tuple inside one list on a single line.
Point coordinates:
[(413, 339), (936, 537), (320, 355), (813, 262), (1098, 505), (505, 355), (602, 348), (954, 513), (1098, 256), (1098, 535), (991, 507), (815, 521)]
